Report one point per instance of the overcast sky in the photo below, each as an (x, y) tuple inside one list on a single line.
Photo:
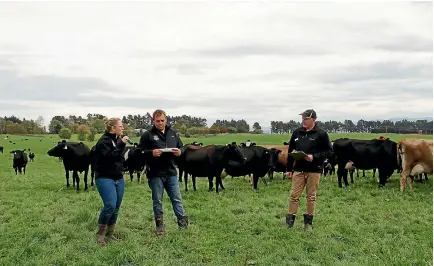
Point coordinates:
[(261, 62)]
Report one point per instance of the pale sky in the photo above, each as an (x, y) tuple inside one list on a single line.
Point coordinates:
[(257, 61)]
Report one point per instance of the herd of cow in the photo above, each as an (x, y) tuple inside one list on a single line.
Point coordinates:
[(410, 157)]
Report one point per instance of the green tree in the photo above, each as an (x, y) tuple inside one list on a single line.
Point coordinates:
[(256, 126), (98, 124), (91, 136), (65, 133), (232, 130), (83, 131), (55, 126)]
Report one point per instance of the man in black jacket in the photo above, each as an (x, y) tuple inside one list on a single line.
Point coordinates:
[(161, 144), (315, 143)]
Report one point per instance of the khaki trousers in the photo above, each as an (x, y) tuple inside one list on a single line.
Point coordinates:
[(299, 181)]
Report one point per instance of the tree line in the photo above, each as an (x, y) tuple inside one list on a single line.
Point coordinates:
[(362, 126), (88, 126)]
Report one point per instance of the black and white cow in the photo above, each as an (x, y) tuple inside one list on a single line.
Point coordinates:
[(76, 158), (31, 156), (134, 161), (19, 161), (365, 154)]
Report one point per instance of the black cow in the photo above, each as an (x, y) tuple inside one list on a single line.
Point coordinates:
[(208, 161), (2, 149), (32, 156), (247, 144), (195, 143), (257, 163), (179, 163), (19, 161), (366, 154), (76, 157), (134, 161)]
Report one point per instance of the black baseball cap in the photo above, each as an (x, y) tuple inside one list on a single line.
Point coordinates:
[(310, 113)]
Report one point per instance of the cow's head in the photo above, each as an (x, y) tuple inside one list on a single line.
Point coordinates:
[(274, 158), (62, 149), (234, 153), (18, 154)]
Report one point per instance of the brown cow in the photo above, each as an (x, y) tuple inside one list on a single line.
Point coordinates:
[(279, 163), (416, 156)]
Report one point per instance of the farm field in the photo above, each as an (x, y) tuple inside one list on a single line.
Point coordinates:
[(44, 223)]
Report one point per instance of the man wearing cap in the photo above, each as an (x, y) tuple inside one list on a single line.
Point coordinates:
[(306, 172)]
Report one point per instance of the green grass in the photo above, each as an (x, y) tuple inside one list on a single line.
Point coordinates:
[(44, 223)]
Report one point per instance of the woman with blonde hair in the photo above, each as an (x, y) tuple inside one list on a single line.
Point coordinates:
[(109, 177)]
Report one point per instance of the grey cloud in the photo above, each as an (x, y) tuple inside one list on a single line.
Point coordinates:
[(407, 44), (68, 89), (188, 69), (377, 71), (240, 51), (247, 50), (51, 88), (5, 63), (15, 106)]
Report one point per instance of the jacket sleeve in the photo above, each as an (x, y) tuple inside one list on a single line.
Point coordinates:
[(324, 148), (290, 160), (104, 148)]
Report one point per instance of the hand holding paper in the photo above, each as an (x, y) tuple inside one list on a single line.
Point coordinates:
[(298, 155)]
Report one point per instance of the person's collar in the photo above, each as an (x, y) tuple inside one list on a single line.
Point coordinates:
[(154, 128), (111, 135)]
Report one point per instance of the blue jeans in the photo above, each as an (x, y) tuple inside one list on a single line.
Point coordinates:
[(111, 192), (170, 183)]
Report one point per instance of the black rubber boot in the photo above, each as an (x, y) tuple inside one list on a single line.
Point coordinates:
[(159, 224), (308, 222), (110, 233), (290, 218), (100, 235), (182, 222)]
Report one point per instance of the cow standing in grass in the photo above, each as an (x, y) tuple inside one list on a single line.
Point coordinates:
[(179, 159), (278, 158), (256, 163), (76, 158), (19, 161), (416, 157), (134, 161), (365, 154), (31, 156), (208, 161)]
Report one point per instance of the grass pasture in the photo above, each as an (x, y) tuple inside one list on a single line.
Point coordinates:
[(44, 223)]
